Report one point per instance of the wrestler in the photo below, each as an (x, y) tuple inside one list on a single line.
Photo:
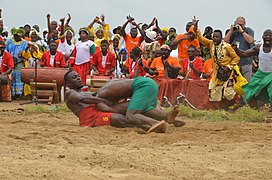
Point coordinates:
[(143, 93), (83, 105)]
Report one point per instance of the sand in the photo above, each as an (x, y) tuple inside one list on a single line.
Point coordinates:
[(53, 146)]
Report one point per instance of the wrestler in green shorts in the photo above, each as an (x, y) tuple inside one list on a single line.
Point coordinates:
[(144, 96)]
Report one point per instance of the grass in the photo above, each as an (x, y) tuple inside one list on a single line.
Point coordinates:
[(47, 109), (243, 114)]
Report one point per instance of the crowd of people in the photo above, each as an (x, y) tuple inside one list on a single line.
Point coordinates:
[(145, 49)]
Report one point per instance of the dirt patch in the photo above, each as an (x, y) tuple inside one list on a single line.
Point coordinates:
[(53, 146)]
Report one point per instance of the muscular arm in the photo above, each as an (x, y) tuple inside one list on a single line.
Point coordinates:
[(177, 41), (254, 51), (105, 108), (76, 97)]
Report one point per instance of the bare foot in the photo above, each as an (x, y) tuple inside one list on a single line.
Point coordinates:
[(178, 123), (172, 114), (159, 127)]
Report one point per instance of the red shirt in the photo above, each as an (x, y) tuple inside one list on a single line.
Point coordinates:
[(7, 62), (132, 68), (198, 65), (59, 60), (110, 63)]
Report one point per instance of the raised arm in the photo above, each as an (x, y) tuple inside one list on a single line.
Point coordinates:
[(140, 30), (122, 30), (48, 24), (95, 20), (68, 21), (62, 28), (206, 42), (159, 30)]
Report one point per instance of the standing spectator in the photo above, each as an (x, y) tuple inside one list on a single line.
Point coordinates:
[(27, 29), (102, 31), (224, 57), (6, 65), (52, 30), (132, 39), (15, 46), (103, 62), (80, 59), (184, 41), (260, 85), (244, 37), (66, 46), (205, 51), (31, 55), (36, 40)]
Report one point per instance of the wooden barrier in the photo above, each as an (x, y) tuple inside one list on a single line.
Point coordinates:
[(96, 82), (46, 92)]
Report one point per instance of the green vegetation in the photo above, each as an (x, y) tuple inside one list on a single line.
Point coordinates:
[(56, 108), (243, 114)]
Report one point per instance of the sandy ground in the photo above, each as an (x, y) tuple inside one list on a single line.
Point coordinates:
[(53, 146)]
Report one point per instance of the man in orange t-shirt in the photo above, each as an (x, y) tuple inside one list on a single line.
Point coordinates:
[(160, 64), (132, 39), (184, 41)]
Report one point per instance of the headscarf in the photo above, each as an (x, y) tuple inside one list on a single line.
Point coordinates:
[(116, 36), (18, 31), (69, 29), (165, 29), (98, 28), (123, 49), (85, 30)]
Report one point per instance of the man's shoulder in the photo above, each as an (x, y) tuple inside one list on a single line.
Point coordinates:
[(249, 29)]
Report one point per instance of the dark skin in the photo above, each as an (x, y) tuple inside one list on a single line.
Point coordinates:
[(136, 58), (133, 31), (192, 52), (254, 51), (190, 36), (77, 101), (165, 54), (217, 39), (116, 90)]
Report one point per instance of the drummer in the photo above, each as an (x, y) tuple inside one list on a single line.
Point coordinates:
[(6, 65)]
